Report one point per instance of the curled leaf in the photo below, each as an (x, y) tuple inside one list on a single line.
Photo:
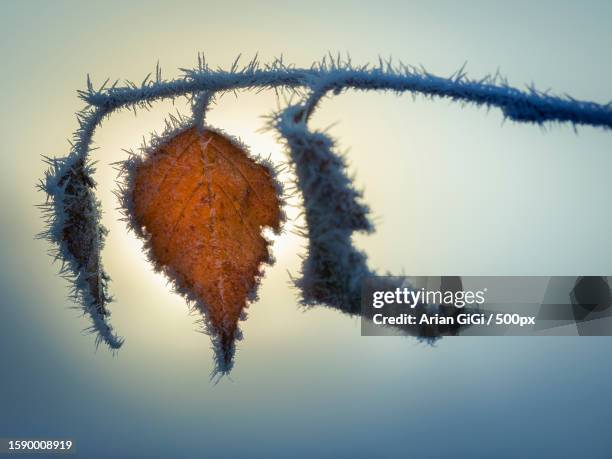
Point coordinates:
[(73, 217), (334, 268), (202, 202)]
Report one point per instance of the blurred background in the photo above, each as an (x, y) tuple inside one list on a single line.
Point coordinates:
[(453, 190)]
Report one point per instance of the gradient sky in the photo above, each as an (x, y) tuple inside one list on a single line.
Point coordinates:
[(454, 190)]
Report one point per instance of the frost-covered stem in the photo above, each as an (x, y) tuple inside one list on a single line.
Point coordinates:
[(88, 122), (525, 106), (312, 101), (199, 105)]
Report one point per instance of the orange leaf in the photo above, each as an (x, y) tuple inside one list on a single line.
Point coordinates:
[(203, 202)]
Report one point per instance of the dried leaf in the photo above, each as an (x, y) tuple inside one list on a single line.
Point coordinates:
[(203, 202), (83, 238), (73, 218)]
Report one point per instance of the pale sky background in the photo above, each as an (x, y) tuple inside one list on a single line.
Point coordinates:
[(454, 190)]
